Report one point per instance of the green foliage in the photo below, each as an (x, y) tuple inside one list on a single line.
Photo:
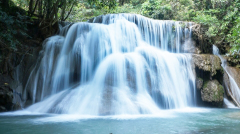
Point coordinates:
[(205, 19), (209, 20), (11, 29), (128, 8), (157, 9), (83, 11), (137, 2), (168, 9), (219, 17), (222, 19), (234, 37), (106, 4), (21, 3)]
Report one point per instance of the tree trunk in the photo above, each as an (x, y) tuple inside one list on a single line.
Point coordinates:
[(40, 8), (30, 6), (63, 10), (48, 9)]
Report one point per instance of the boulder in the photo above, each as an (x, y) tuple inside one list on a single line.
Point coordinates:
[(212, 92), (207, 62)]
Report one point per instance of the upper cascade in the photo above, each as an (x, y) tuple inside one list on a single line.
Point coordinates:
[(114, 64), (165, 34)]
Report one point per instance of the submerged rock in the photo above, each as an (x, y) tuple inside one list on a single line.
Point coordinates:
[(212, 92)]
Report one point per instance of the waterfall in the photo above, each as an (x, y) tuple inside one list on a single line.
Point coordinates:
[(234, 91), (115, 64)]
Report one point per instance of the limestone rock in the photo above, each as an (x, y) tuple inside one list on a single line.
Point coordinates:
[(212, 92), (200, 37), (199, 83), (207, 62)]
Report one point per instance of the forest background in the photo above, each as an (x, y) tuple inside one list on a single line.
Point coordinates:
[(25, 23)]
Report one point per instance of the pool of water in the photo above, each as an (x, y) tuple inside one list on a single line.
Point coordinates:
[(190, 120)]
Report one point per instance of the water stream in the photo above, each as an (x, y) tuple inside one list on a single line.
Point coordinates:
[(118, 64), (234, 90)]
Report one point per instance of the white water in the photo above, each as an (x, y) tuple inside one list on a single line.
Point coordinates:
[(128, 64), (228, 103), (234, 91)]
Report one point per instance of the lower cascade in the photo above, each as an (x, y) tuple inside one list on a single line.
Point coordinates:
[(117, 64)]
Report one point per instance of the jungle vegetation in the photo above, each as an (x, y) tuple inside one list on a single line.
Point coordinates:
[(37, 19)]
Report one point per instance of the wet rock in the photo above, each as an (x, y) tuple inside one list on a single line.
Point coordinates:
[(190, 47), (235, 73), (6, 97), (212, 92), (200, 37), (10, 96), (226, 81), (199, 83), (229, 85), (207, 62), (233, 59)]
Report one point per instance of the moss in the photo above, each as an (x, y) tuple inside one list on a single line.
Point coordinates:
[(200, 78), (219, 93), (205, 84), (222, 70), (216, 97)]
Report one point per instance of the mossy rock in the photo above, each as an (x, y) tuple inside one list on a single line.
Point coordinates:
[(207, 62), (212, 92)]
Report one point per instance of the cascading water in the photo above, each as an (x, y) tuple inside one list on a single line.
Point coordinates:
[(234, 92), (118, 64)]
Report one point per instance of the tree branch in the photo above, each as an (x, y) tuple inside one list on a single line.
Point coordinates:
[(34, 8), (68, 13)]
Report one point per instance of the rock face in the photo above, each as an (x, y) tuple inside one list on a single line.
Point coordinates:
[(6, 97), (207, 62), (212, 92), (235, 73), (6, 94), (208, 70), (199, 83), (190, 47), (12, 84), (202, 40), (230, 86)]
